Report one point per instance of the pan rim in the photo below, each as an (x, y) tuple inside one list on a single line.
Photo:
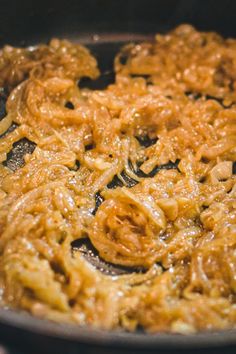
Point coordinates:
[(120, 339)]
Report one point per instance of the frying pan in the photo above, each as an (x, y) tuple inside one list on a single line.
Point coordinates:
[(103, 25)]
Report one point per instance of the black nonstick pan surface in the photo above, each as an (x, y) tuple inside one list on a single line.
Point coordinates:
[(104, 26)]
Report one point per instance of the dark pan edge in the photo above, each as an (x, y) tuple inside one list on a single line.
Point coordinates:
[(85, 335)]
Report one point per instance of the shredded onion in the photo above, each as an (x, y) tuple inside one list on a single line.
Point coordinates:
[(143, 170), (5, 124)]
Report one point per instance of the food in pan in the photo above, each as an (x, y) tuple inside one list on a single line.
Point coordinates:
[(143, 170)]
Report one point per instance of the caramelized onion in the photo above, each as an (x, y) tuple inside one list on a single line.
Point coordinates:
[(143, 169)]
